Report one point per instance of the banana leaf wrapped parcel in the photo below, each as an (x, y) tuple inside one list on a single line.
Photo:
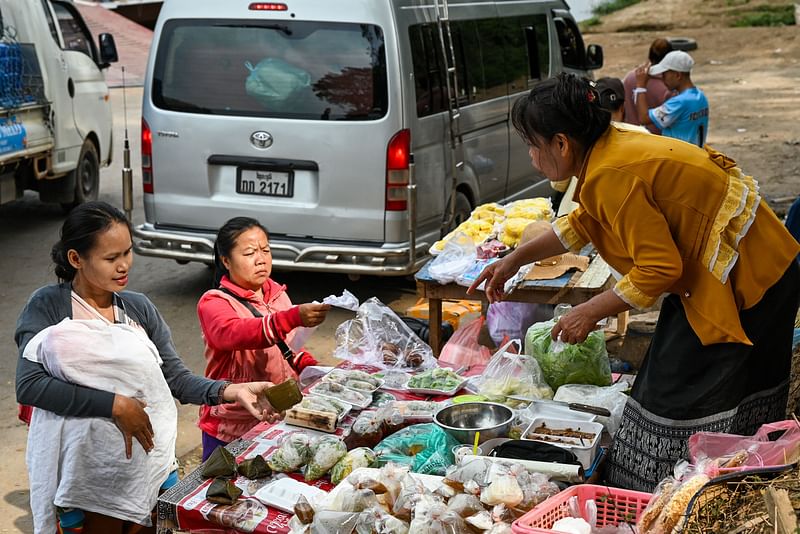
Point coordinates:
[(255, 467), (222, 491), (220, 464)]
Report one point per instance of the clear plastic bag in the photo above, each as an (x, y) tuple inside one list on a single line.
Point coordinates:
[(457, 257), (611, 397), (426, 448), (377, 336), (511, 320), (512, 374), (272, 81), (564, 363), (326, 451), (463, 349)]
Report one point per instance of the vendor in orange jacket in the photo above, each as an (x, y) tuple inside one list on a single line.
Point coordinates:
[(244, 320), (674, 220)]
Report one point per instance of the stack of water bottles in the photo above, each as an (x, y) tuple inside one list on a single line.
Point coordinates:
[(11, 86)]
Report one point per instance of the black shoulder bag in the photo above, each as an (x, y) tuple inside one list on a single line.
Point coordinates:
[(287, 352)]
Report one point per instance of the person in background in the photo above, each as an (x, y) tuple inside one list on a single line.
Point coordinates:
[(673, 219), (656, 91), (684, 116), (611, 93), (93, 259), (246, 321)]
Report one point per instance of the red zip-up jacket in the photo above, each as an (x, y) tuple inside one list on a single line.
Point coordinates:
[(242, 348)]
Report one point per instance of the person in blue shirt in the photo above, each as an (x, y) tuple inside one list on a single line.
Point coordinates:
[(684, 116)]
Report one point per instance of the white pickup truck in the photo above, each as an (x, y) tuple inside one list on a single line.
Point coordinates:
[(55, 113)]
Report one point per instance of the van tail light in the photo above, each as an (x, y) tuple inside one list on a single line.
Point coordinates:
[(398, 156), (147, 158)]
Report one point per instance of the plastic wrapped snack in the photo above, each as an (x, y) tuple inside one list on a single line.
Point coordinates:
[(360, 457), (465, 505), (377, 336), (512, 374), (326, 451), (564, 363), (324, 404), (411, 492), (661, 496), (503, 488), (367, 431), (293, 453), (353, 379), (341, 393)]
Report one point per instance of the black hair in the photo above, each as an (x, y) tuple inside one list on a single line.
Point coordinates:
[(79, 232), (226, 240), (564, 104)]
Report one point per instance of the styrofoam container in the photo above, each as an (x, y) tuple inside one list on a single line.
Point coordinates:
[(585, 451), (545, 408)]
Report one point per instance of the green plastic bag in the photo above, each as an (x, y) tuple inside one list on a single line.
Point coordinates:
[(562, 363), (426, 448)]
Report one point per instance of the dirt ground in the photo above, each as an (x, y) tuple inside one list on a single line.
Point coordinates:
[(750, 75)]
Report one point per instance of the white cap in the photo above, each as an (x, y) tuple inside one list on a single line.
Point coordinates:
[(677, 60)]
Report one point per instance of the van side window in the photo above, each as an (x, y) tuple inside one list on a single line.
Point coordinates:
[(493, 57), (571, 43), (50, 22), (72, 30), (528, 56)]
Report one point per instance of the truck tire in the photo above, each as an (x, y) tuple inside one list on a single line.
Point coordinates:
[(86, 176), (687, 44)]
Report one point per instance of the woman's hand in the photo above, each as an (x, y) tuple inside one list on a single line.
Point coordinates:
[(575, 326), (131, 419), (642, 75), (496, 276), (251, 396), (313, 314)]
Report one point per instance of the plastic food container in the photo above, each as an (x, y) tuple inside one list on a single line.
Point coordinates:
[(341, 376), (358, 399), (584, 447), (548, 409)]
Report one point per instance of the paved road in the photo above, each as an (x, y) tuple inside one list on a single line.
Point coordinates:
[(29, 228)]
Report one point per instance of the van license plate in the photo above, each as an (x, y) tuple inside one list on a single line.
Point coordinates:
[(265, 183)]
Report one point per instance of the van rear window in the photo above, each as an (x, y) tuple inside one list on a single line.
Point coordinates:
[(285, 69)]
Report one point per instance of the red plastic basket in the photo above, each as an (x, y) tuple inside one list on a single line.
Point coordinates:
[(614, 506)]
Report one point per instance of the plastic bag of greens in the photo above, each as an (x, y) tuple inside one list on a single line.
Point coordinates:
[(426, 448), (564, 363), (326, 451), (509, 374), (360, 457)]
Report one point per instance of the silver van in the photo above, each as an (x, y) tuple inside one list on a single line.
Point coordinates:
[(356, 131)]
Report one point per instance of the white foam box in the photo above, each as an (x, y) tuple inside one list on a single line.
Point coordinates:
[(585, 449)]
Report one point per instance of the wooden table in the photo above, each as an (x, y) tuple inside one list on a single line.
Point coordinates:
[(571, 288)]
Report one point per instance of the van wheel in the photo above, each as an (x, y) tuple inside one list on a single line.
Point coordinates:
[(683, 43), (463, 209), (87, 177)]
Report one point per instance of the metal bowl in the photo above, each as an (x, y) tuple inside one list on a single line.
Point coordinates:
[(462, 421)]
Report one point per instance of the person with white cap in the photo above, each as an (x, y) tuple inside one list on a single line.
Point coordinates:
[(684, 116)]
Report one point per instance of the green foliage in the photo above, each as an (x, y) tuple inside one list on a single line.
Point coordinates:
[(769, 15), (609, 6), (588, 23)]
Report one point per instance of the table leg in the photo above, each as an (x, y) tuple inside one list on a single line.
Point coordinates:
[(435, 324), (622, 322)]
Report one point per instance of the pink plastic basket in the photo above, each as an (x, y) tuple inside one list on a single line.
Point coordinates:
[(614, 506)]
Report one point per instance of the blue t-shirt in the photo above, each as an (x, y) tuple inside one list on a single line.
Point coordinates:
[(684, 116)]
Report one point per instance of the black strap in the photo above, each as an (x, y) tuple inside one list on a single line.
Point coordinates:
[(288, 354)]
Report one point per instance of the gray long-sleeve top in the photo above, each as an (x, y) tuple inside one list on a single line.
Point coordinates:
[(51, 304)]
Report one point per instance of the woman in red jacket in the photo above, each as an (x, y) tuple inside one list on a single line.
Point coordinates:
[(246, 322)]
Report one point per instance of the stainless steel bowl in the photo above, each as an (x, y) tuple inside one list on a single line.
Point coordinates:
[(462, 421)]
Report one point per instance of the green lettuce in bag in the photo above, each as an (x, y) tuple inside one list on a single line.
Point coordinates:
[(562, 363)]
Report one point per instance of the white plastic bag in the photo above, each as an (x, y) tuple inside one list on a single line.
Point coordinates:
[(456, 258), (609, 397), (377, 336)]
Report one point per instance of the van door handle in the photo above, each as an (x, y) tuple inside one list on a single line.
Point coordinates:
[(71, 88)]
